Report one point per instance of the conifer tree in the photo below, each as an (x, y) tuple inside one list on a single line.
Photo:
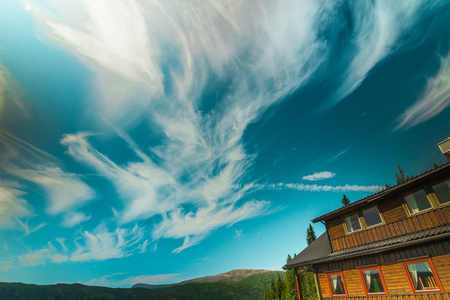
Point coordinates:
[(310, 235), (290, 292), (345, 201), (401, 177)]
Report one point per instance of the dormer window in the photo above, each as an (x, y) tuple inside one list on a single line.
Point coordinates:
[(442, 191), (352, 223), (372, 216), (417, 201)]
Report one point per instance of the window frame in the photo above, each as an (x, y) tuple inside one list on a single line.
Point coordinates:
[(433, 271), (427, 192), (343, 283), (383, 222), (433, 193), (364, 282), (361, 224)]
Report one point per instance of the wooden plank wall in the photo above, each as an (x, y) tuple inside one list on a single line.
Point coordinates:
[(392, 271), (430, 219)]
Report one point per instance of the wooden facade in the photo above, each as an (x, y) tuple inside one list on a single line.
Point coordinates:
[(403, 253)]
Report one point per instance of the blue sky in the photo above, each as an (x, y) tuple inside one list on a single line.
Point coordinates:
[(148, 141)]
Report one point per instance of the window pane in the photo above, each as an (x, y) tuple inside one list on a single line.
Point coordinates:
[(352, 223), (372, 216), (337, 285), (422, 277), (417, 201), (442, 191), (373, 281)]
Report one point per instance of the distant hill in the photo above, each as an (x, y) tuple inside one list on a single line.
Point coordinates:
[(255, 277), (237, 284)]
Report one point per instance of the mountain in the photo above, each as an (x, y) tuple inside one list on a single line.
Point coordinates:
[(254, 277), (237, 284)]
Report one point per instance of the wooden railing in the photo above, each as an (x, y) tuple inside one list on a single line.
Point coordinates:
[(429, 219)]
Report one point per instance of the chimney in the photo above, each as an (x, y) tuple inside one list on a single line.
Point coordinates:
[(445, 148)]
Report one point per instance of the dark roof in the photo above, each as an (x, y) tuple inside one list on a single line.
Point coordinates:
[(398, 188), (307, 256), (317, 250)]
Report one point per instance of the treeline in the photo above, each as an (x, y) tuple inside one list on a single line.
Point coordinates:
[(286, 289)]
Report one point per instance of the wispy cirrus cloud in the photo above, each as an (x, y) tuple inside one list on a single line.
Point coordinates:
[(97, 245), (155, 61), (319, 176), (65, 192), (326, 188), (13, 208), (114, 280), (435, 99)]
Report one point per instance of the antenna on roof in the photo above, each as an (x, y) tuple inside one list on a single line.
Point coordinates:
[(445, 148)]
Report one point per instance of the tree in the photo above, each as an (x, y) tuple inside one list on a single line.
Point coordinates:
[(290, 292), (401, 177), (345, 201), (310, 235)]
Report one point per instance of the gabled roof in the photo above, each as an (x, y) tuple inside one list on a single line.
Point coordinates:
[(317, 252), (398, 188)]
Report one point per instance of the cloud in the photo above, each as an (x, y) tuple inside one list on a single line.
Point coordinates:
[(13, 207), (65, 191), (5, 266), (100, 244), (378, 30), (237, 233), (319, 176), (325, 188), (435, 99), (155, 61), (113, 281), (74, 218)]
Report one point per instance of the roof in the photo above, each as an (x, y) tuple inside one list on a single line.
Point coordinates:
[(318, 253), (398, 188), (317, 250)]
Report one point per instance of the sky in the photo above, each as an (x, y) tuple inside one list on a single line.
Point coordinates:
[(159, 141)]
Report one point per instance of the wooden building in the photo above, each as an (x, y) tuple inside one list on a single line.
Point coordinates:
[(394, 244)]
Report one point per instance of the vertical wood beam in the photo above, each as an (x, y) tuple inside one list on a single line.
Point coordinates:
[(316, 279), (299, 286)]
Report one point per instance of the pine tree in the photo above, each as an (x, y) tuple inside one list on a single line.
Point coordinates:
[(290, 292), (345, 201), (401, 177), (310, 235)]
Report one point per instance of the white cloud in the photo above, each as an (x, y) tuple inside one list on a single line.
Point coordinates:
[(13, 207), (113, 281), (237, 233), (100, 244), (5, 266), (435, 99), (319, 176), (326, 188), (74, 218), (378, 30), (65, 191), (257, 52)]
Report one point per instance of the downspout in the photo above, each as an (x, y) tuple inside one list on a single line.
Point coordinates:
[(299, 285), (328, 234)]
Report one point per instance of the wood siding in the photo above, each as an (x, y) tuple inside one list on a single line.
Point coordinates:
[(399, 225), (392, 270)]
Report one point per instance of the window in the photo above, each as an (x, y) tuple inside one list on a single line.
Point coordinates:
[(336, 284), (372, 216), (422, 277), (417, 201), (373, 282), (352, 222), (442, 191)]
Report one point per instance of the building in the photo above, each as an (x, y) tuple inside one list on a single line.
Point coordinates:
[(394, 244)]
